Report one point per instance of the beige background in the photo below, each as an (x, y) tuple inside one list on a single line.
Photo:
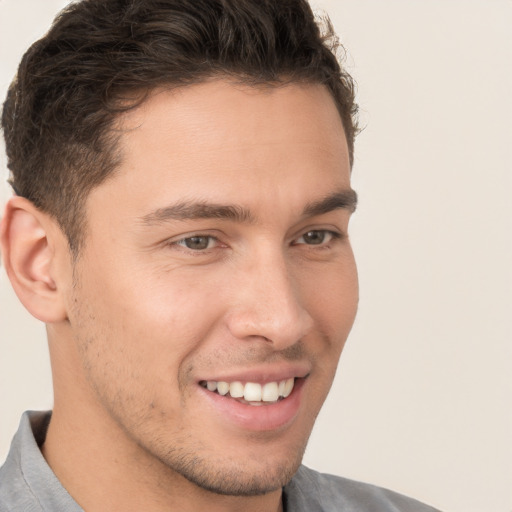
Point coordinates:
[(422, 400)]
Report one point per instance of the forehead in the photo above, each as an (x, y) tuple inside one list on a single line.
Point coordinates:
[(219, 141)]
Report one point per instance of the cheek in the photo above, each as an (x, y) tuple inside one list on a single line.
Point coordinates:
[(332, 298), (333, 305), (146, 326)]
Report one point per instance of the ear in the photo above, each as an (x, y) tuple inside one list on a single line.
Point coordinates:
[(29, 240)]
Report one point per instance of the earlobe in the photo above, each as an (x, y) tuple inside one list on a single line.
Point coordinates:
[(28, 244)]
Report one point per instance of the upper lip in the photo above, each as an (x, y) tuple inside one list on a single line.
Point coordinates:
[(262, 374)]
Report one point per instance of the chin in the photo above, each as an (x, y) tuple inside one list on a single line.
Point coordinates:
[(241, 480), (237, 476)]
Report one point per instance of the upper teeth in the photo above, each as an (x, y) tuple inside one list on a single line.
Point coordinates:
[(253, 391)]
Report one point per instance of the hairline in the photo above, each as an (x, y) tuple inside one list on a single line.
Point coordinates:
[(137, 98)]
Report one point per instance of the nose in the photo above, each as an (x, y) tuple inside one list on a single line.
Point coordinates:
[(267, 304)]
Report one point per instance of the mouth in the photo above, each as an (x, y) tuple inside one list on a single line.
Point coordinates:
[(260, 401), (252, 393)]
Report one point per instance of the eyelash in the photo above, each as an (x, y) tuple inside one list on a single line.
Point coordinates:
[(333, 237), (322, 244), (182, 242)]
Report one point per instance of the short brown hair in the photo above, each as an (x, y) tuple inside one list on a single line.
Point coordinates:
[(70, 84)]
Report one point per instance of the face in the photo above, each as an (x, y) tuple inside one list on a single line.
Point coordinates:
[(217, 285)]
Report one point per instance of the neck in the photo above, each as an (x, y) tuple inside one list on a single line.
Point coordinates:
[(103, 468), (100, 473)]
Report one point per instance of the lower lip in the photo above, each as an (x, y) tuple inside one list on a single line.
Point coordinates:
[(257, 418)]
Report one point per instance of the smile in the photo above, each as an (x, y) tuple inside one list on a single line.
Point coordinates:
[(252, 393)]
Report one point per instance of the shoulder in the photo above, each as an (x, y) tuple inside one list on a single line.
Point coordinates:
[(26, 481), (13, 488), (15, 494), (310, 490)]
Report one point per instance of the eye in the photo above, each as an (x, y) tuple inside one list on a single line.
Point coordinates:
[(316, 237), (198, 243)]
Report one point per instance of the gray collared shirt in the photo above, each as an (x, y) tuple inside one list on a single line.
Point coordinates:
[(27, 484)]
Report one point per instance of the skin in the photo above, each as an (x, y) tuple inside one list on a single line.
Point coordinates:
[(141, 317)]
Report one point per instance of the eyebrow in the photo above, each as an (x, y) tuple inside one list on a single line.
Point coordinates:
[(188, 210), (343, 199), (191, 210)]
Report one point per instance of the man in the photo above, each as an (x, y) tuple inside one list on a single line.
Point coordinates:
[(181, 172)]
